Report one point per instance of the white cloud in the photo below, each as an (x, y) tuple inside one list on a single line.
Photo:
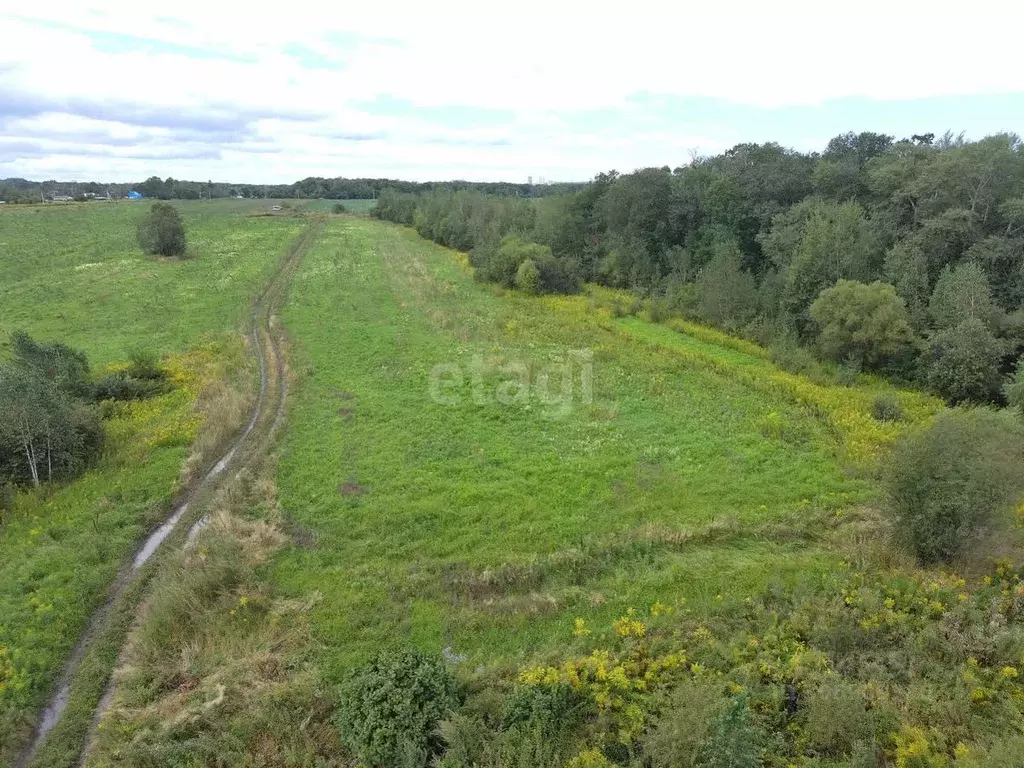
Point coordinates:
[(226, 77)]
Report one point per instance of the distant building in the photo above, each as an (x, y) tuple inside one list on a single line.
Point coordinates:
[(133, 195), (61, 198)]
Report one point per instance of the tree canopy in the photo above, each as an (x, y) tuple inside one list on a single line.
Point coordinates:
[(750, 239)]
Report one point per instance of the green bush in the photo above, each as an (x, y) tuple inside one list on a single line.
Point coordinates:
[(735, 742), (390, 709), (962, 363), (867, 324), (838, 719), (528, 278), (6, 500), (954, 480), (120, 385), (1013, 389), (887, 408), (144, 364), (338, 208), (162, 231), (685, 725)]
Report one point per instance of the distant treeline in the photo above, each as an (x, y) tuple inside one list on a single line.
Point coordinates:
[(23, 191), (903, 257)]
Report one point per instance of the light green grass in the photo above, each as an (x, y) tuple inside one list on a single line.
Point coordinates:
[(489, 527), (73, 273)]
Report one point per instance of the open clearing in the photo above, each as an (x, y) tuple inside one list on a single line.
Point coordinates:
[(488, 527)]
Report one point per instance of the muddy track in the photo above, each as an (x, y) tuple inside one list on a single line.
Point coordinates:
[(245, 450)]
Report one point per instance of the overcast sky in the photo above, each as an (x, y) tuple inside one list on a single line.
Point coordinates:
[(277, 91)]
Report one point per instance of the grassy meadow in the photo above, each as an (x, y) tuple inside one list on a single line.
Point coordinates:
[(552, 493), (75, 274), (488, 527)]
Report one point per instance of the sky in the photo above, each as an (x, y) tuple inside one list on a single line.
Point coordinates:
[(275, 92)]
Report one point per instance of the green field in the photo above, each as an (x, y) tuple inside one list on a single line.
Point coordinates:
[(544, 491), (75, 274), (421, 510)]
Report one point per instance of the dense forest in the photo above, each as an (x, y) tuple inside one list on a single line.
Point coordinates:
[(24, 191), (901, 257)]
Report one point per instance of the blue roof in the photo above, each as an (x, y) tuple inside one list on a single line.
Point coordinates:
[(133, 195)]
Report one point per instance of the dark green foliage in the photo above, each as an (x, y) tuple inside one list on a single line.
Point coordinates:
[(1013, 388), (838, 720), (962, 363), (865, 324), (48, 432), (906, 268), (6, 499), (887, 408), (141, 379), (390, 709), (395, 206), (121, 385), (962, 293), (535, 727), (735, 742), (162, 231), (726, 295), (338, 208), (954, 480), (502, 265), (66, 368), (685, 726)]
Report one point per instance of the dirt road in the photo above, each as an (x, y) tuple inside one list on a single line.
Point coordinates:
[(246, 449)]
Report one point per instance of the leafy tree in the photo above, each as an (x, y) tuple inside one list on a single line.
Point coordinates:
[(962, 293), (906, 268), (38, 425), (1002, 259), (954, 480), (1013, 389), (815, 245), (395, 206), (962, 363), (528, 278), (944, 238), (66, 368), (841, 174), (390, 708), (726, 295), (866, 324), (162, 231), (48, 431), (502, 264)]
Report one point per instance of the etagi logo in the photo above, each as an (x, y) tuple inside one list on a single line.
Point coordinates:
[(555, 385)]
